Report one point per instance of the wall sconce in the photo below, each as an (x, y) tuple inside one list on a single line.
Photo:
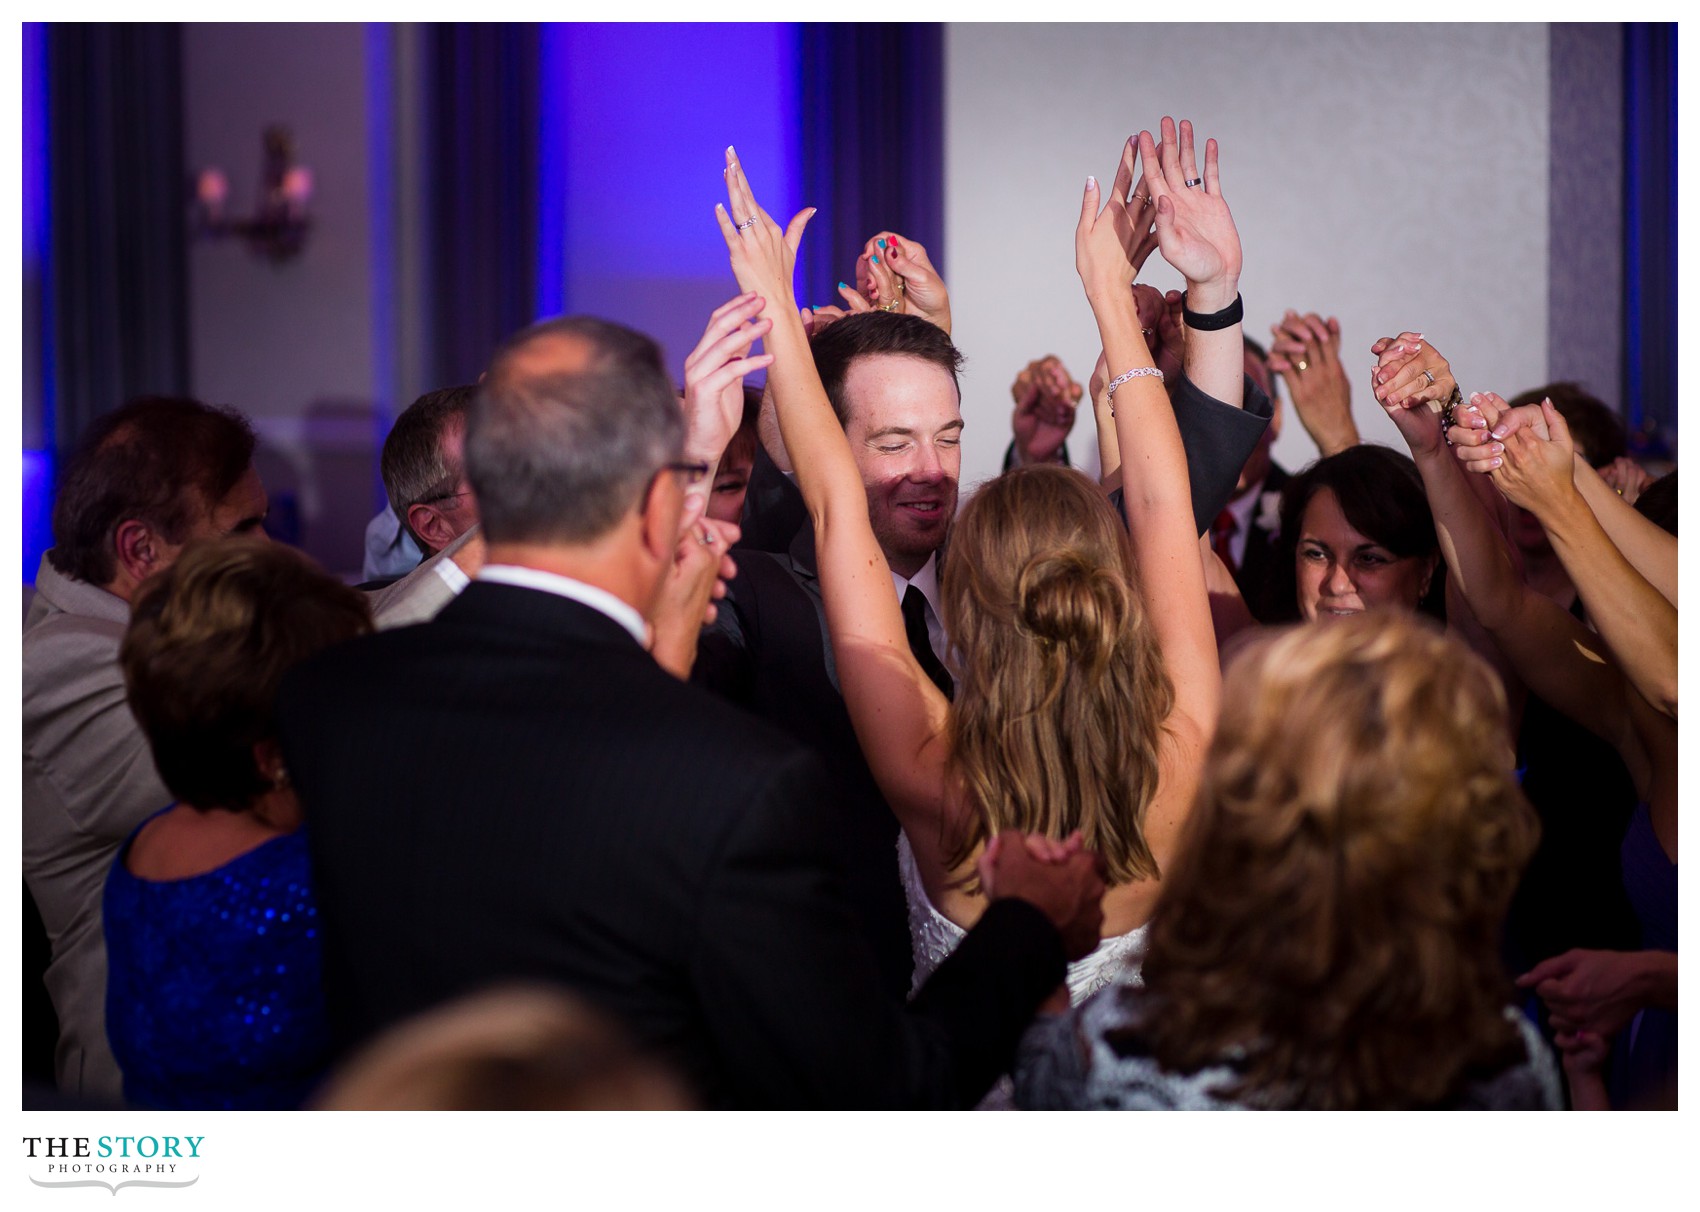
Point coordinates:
[(278, 227)]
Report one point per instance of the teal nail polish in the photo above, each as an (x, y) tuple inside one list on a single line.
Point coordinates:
[(843, 286), (876, 259), (882, 243)]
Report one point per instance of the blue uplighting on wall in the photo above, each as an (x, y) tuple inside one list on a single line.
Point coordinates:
[(38, 425), (554, 69), (635, 123), (38, 509)]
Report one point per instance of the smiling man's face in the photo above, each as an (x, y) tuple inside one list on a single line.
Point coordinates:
[(905, 430)]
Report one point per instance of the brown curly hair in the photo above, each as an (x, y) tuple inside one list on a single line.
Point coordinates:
[(1331, 922), (1063, 693)]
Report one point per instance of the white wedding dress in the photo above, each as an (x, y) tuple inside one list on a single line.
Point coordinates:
[(932, 936)]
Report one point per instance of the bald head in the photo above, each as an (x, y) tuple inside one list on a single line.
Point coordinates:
[(574, 418)]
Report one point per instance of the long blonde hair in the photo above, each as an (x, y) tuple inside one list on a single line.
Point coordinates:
[(1333, 913), (1063, 693)]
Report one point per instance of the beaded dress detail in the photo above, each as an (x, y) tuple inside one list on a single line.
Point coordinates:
[(932, 936), (213, 997)]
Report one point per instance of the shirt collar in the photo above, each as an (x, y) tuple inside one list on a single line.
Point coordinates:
[(926, 580), (599, 600)]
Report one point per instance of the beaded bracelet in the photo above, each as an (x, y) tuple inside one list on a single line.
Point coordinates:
[(1138, 372)]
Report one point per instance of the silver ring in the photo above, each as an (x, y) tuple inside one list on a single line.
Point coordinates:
[(747, 223), (1430, 375), (1195, 181), (706, 537)]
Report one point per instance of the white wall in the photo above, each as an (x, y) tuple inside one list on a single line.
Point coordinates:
[(1393, 175)]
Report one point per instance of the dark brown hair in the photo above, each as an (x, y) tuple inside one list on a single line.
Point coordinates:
[(1331, 922), (878, 332), (160, 460), (210, 639), (1381, 493)]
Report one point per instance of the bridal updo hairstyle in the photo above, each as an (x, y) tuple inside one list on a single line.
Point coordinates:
[(1063, 691), (1332, 918)]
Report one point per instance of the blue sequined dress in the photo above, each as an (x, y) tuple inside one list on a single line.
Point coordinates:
[(213, 997)]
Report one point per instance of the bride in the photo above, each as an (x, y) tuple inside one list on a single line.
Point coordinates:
[(1089, 679)]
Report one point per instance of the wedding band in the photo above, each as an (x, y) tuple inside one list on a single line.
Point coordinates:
[(747, 223), (1141, 199), (1301, 364), (1195, 181), (892, 306), (1430, 375)]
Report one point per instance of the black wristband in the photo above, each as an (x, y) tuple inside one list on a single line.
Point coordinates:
[(1226, 318)]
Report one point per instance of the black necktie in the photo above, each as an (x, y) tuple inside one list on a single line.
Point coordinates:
[(915, 626)]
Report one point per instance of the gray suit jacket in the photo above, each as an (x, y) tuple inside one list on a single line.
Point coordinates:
[(89, 781), (419, 595)]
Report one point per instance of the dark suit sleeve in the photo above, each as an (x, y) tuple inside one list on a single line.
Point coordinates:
[(724, 661), (1219, 438), (792, 995), (1009, 457)]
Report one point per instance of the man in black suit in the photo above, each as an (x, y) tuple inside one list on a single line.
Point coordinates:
[(892, 380), (516, 789)]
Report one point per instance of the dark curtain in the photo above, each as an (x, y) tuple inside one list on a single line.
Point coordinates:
[(118, 194), (483, 179), (872, 110), (1650, 84)]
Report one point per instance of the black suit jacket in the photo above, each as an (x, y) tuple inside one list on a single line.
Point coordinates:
[(1265, 586), (517, 790)]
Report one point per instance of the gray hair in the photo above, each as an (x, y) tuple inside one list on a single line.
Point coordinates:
[(562, 457), (412, 464)]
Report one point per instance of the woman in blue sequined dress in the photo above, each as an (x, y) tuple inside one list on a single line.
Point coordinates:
[(213, 995)]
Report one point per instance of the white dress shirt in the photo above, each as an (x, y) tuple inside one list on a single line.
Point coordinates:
[(927, 581), (600, 600)]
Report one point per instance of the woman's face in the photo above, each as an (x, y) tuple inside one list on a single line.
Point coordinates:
[(731, 482), (1342, 572)]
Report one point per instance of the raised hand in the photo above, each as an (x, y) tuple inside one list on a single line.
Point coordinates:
[(1403, 361), (1539, 475), (1409, 372), (1107, 241), (1195, 230), (895, 267), (1045, 400), (1305, 350), (1627, 476), (714, 383), (763, 257), (1480, 428), (701, 568)]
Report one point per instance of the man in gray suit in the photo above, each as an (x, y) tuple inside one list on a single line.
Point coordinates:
[(144, 481)]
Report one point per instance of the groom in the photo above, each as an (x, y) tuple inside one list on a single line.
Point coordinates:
[(517, 789)]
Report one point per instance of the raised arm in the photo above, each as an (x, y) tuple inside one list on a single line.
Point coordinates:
[(898, 713), (1632, 616), (1305, 351), (1648, 547), (1553, 654), (1196, 234), (1196, 227)]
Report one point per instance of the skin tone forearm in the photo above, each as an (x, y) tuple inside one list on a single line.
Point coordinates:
[(1635, 620)]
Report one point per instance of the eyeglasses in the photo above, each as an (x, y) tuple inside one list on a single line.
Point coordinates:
[(446, 496), (694, 473)]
